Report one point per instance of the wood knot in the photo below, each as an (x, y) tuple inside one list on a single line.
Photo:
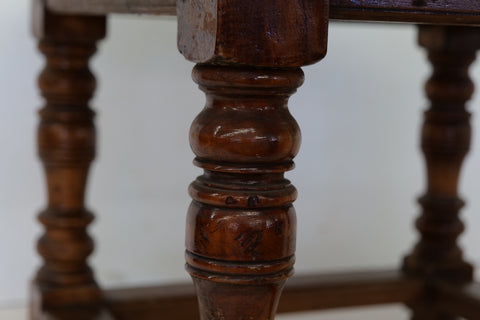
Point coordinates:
[(230, 200), (253, 201), (278, 228)]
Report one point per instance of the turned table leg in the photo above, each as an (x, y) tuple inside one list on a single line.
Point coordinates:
[(240, 236), (66, 145), (445, 142), (241, 224)]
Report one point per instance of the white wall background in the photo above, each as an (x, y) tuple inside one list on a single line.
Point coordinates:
[(358, 172)]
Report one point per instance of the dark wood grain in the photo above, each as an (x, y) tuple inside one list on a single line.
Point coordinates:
[(291, 34), (66, 146), (453, 12), (451, 6), (241, 225), (161, 7), (466, 12)]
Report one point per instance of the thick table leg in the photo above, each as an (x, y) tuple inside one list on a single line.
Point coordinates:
[(241, 224), (66, 144), (445, 142)]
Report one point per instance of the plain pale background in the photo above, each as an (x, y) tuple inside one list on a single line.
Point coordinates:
[(358, 172)]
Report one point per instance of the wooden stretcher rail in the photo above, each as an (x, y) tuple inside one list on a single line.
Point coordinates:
[(455, 12), (163, 7), (76, 313), (463, 301), (448, 12), (330, 291), (302, 293), (172, 302)]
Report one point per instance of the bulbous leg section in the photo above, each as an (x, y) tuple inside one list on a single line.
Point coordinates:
[(240, 239)]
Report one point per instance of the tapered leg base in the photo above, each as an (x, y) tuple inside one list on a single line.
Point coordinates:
[(233, 301)]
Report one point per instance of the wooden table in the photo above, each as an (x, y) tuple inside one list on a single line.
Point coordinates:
[(240, 236)]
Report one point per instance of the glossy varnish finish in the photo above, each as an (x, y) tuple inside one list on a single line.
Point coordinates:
[(240, 236), (66, 145), (241, 225)]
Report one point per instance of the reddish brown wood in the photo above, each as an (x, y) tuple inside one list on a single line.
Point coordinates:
[(241, 225), (446, 12), (265, 33), (240, 235), (163, 7), (302, 293), (442, 6), (66, 144), (445, 142), (340, 290)]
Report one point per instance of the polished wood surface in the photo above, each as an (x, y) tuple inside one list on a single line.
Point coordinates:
[(241, 226), (447, 12)]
